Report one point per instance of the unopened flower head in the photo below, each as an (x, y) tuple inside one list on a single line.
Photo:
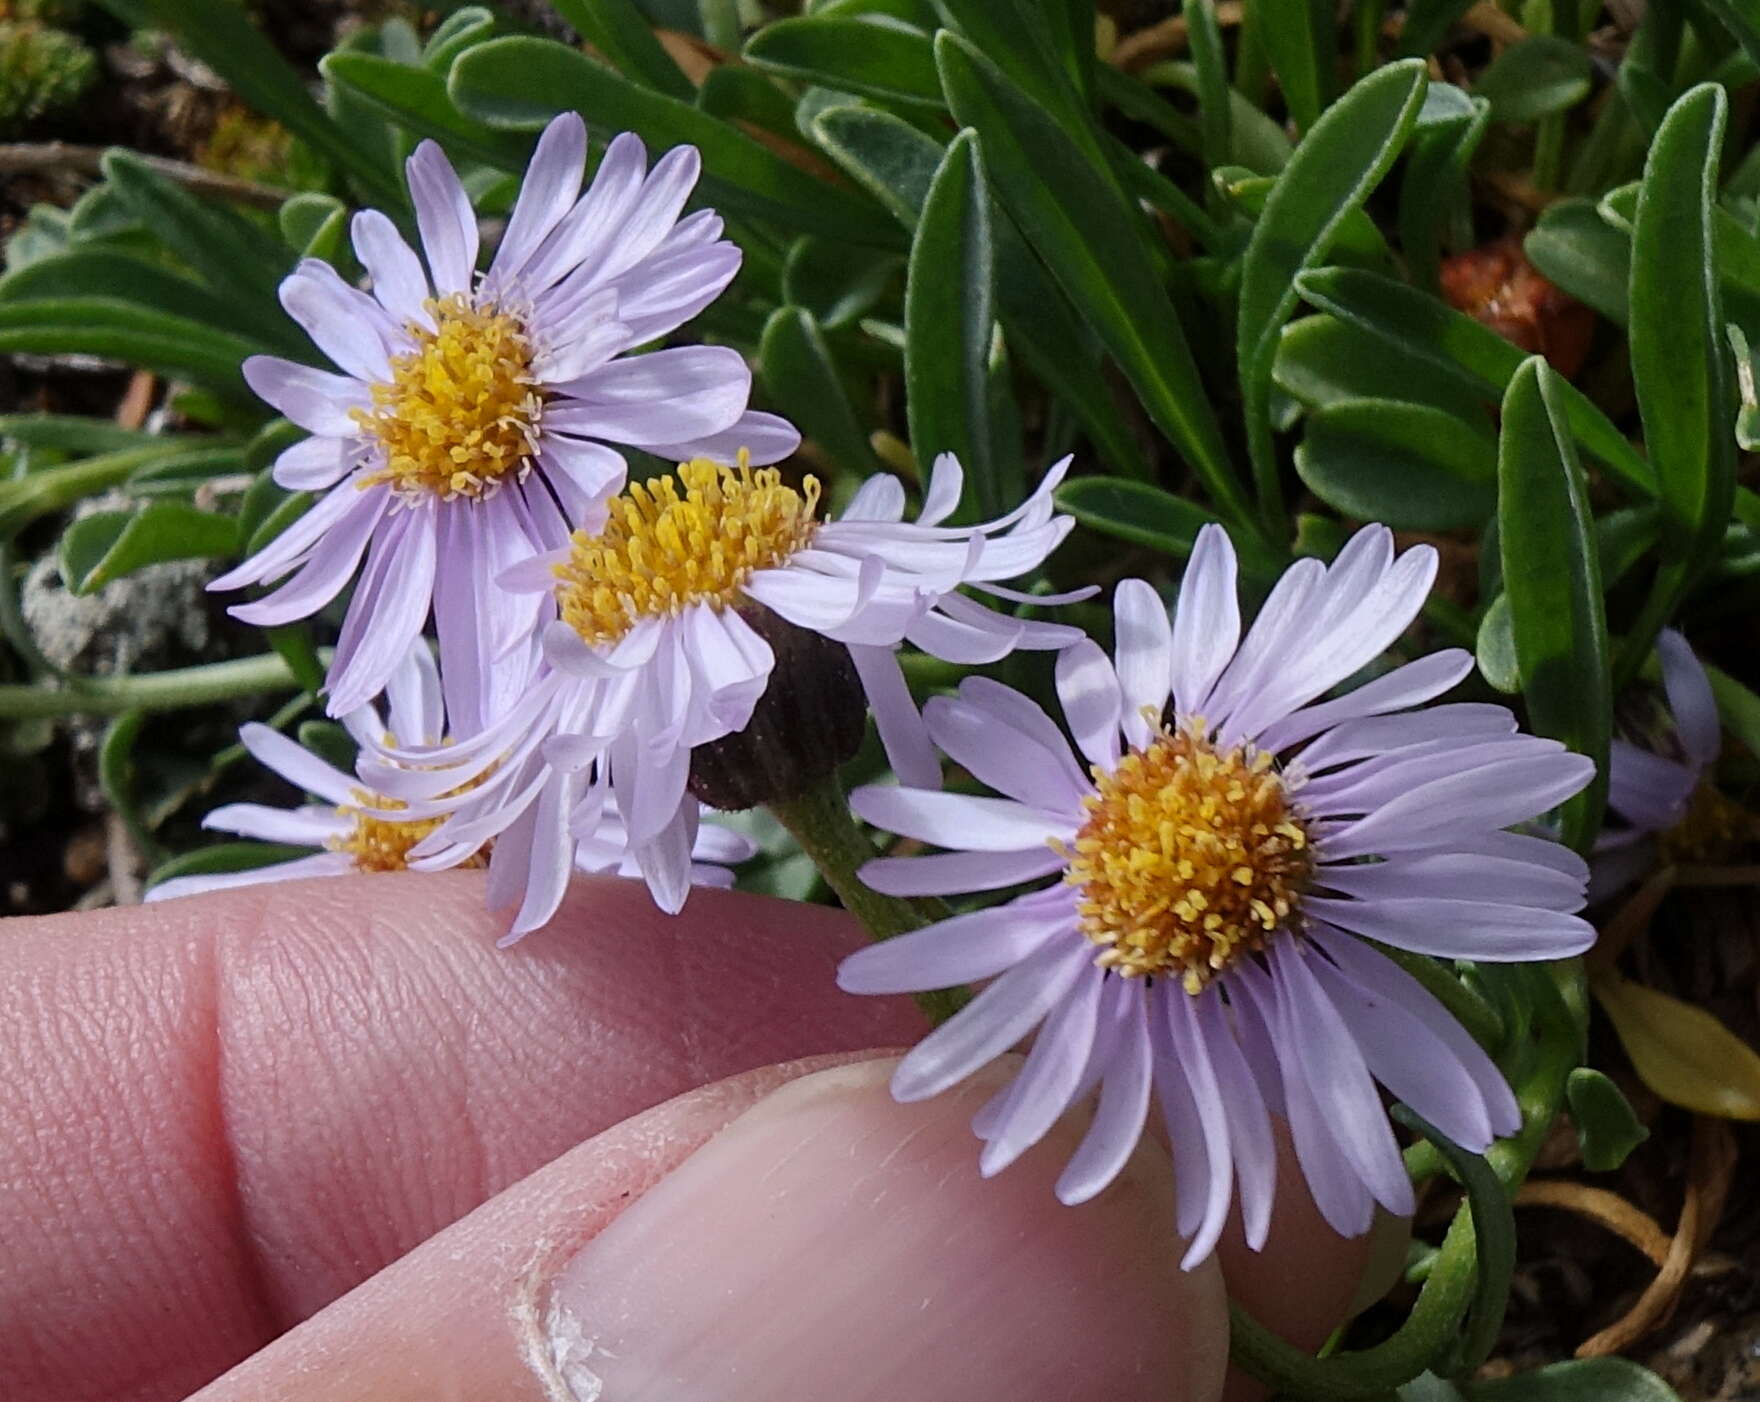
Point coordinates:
[(652, 654), (474, 419), (356, 829), (1218, 867)]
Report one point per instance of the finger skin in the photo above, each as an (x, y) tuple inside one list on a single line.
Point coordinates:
[(219, 1114), (938, 1285)]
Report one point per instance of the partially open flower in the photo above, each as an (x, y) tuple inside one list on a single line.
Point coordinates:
[(652, 655), (472, 424), (1658, 784), (1221, 865), (358, 830)]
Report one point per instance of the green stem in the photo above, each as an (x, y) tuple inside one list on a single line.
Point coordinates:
[(1433, 1328), (821, 822), (1466, 1007), (151, 691), (24, 499)]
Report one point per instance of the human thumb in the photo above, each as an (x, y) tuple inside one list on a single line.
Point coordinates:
[(788, 1235)]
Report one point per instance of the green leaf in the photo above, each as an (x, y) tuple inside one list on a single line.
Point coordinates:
[(226, 857), (1031, 42), (1331, 173), (1079, 223), (133, 335), (1552, 579), (76, 434), (1407, 466), (619, 30), (107, 545), (1742, 19), (1134, 512), (1577, 1380), (417, 100), (1532, 79), (233, 256), (520, 83), (1210, 64), (1434, 189), (116, 779), (735, 93), (876, 56), (1357, 239), (104, 272), (1256, 141), (1686, 396), (1495, 648), (1321, 359), (1299, 41), (1575, 247), (896, 163), (801, 375), (1434, 334), (839, 284), (456, 33), (1678, 363), (949, 320), (1494, 1243), (312, 226), (221, 34), (1607, 1128)]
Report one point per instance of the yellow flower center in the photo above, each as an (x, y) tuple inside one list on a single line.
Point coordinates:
[(664, 548), (460, 412), (1189, 859), (383, 844), (1714, 828)]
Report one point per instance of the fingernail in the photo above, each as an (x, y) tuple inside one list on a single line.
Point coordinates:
[(830, 1243)]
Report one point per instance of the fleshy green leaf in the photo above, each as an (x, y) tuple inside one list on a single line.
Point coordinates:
[(122, 277), (1134, 511), (619, 30), (107, 545), (120, 331), (1552, 579), (949, 322), (1495, 647), (1321, 359), (1079, 223), (520, 83), (1682, 1052), (1607, 1128), (802, 377), (1576, 248), (1210, 64), (896, 163), (1532, 79), (226, 857), (1408, 466), (1434, 190), (875, 55), (1299, 41), (1331, 173), (837, 283), (1428, 330), (416, 99), (1577, 1380)]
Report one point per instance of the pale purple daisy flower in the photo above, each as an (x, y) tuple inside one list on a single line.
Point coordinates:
[(356, 830), (1222, 862), (474, 419), (1653, 788), (650, 655)]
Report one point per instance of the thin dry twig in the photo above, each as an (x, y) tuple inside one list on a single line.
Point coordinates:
[(1164, 39), (60, 157), (1629, 1223), (1712, 1166)]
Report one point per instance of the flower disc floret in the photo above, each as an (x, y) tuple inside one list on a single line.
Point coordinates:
[(375, 843), (460, 412), (664, 549), (1189, 859)]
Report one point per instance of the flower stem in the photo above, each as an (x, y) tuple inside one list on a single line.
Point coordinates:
[(150, 691), (821, 822)]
